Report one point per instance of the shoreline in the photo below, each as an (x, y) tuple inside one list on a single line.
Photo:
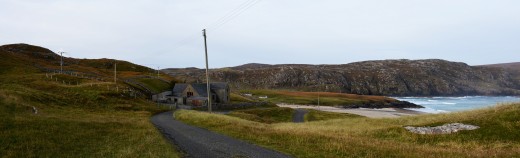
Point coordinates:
[(367, 112), (407, 110)]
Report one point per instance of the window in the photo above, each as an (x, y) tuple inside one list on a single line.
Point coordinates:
[(189, 94)]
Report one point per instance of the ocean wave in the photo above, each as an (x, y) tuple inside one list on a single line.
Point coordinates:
[(448, 103), (461, 103), (428, 110), (424, 103)]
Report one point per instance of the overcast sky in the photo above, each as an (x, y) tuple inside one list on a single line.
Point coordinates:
[(167, 33)]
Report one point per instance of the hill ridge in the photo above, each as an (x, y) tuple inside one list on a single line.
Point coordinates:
[(396, 77), (24, 57)]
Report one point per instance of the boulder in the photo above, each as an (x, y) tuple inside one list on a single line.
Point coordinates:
[(444, 129)]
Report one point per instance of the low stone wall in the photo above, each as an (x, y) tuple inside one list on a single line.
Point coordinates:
[(444, 129)]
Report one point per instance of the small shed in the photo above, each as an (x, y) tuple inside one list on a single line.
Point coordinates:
[(162, 97)]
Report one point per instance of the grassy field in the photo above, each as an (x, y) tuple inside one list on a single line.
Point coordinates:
[(316, 115), (311, 98), (366, 137), (235, 98), (279, 115), (75, 121), (71, 132), (265, 115)]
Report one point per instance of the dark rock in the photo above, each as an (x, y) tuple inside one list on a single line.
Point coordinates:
[(378, 105)]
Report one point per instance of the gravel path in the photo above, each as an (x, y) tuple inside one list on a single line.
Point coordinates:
[(197, 142), (299, 115)]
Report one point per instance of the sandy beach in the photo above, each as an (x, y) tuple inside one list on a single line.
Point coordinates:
[(371, 113)]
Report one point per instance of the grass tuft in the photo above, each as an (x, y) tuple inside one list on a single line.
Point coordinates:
[(316, 115), (265, 115)]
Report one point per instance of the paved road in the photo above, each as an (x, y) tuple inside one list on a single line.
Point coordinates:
[(197, 142), (299, 115)]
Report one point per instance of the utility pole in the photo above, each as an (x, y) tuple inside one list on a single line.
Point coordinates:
[(115, 73), (207, 69), (318, 98), (61, 63), (157, 71), (319, 85)]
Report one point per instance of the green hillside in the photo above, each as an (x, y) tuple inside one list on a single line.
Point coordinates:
[(80, 113), (155, 85), (24, 57)]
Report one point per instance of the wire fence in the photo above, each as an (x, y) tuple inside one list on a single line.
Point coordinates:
[(94, 80)]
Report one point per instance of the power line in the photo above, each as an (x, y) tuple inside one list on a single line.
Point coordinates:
[(241, 6), (220, 22), (233, 14)]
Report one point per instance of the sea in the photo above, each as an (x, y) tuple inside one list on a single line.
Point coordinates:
[(452, 104)]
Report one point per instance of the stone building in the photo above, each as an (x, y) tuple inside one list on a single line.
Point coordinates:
[(196, 94)]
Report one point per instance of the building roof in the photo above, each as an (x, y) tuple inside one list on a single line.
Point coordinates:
[(200, 88), (179, 88)]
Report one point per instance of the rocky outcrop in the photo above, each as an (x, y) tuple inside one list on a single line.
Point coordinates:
[(389, 104), (444, 129), (384, 77)]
